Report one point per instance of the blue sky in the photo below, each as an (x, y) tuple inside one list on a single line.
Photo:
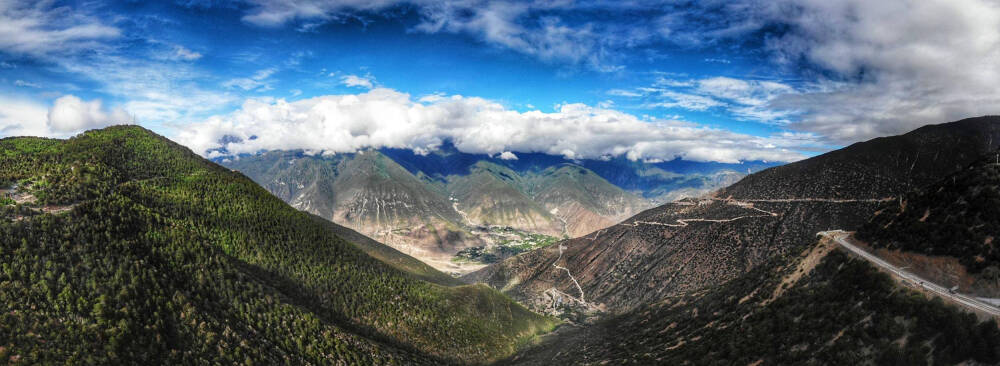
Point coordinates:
[(709, 80)]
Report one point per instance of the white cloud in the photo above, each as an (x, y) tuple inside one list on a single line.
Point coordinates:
[(182, 53), (40, 29), (672, 99), (529, 27), (367, 81), (257, 81), (154, 91), (69, 114), (507, 155), (387, 118), (26, 84), (22, 117), (744, 99), (623, 93), (893, 65)]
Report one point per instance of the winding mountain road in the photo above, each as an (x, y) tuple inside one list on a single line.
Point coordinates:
[(841, 237), (679, 223)]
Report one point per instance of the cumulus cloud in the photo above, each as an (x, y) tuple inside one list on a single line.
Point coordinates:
[(40, 29), (367, 81), (387, 118), (22, 117), (507, 155), (881, 67), (69, 113)]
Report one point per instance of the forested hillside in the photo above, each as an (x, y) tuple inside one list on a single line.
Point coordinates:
[(959, 216), (120, 247)]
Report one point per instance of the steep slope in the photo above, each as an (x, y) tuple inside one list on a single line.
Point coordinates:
[(491, 194), (581, 198), (127, 248), (682, 247), (820, 307), (885, 166), (304, 181), (389, 255), (435, 217), (378, 196), (957, 217), (367, 192)]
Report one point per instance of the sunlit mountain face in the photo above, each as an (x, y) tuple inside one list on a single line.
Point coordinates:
[(499, 182)]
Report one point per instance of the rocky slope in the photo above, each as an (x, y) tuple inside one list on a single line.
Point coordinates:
[(582, 199), (367, 192), (683, 247), (494, 195), (434, 217)]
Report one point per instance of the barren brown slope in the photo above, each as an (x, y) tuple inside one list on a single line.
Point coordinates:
[(491, 194), (584, 200), (653, 255), (367, 192)]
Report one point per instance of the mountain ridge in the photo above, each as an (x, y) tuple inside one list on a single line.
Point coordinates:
[(176, 259), (689, 245), (482, 196)]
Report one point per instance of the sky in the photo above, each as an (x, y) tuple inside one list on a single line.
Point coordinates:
[(723, 81)]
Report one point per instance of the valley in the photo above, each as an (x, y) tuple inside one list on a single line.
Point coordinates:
[(666, 285), (500, 183), (689, 246), (460, 212)]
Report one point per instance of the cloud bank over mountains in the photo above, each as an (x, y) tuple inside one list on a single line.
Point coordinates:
[(867, 68), (388, 118), (773, 79), (68, 115)]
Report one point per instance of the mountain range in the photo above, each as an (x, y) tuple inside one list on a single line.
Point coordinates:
[(118, 246), (458, 211), (691, 245)]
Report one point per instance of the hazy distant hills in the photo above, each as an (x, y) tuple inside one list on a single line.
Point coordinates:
[(688, 246), (118, 246), (431, 206)]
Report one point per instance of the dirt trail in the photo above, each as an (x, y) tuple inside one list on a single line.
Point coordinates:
[(748, 204), (554, 264), (742, 203)]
